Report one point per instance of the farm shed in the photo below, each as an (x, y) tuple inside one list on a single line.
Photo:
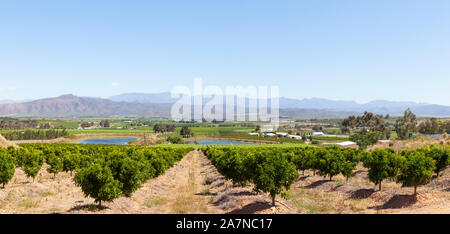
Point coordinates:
[(294, 137)]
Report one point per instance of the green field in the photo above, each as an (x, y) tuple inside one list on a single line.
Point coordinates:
[(223, 130)]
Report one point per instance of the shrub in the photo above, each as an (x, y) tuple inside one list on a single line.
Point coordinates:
[(175, 140)]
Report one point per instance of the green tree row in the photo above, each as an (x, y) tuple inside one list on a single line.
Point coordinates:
[(34, 134), (104, 173), (273, 169)]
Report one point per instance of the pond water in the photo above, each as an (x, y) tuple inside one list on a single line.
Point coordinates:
[(107, 141), (222, 143)]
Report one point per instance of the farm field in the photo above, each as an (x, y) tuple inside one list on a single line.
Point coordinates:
[(138, 127)]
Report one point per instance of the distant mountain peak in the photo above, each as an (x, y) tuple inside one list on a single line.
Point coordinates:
[(67, 96)]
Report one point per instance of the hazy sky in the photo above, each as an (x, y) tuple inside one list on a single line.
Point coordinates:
[(345, 50)]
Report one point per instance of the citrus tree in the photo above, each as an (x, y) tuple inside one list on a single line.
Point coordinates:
[(130, 173), (330, 162), (97, 182), (272, 173), (441, 158), (7, 167), (71, 162), (350, 161), (416, 170), (55, 164), (382, 164), (32, 161)]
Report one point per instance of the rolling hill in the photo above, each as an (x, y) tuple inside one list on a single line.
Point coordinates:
[(73, 106)]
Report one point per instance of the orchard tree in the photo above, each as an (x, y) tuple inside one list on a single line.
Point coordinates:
[(17, 154), (416, 170), (440, 156), (97, 182), (236, 164), (330, 162), (382, 164), (55, 163), (32, 162), (70, 162), (303, 159), (159, 164), (349, 163), (7, 167), (130, 173), (272, 174)]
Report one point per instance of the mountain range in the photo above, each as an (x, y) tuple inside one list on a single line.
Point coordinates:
[(333, 107), (159, 105)]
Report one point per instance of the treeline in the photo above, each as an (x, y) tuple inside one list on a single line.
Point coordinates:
[(34, 134), (104, 173), (434, 126), (368, 122), (372, 128), (162, 128), (6, 124), (105, 123), (274, 169)]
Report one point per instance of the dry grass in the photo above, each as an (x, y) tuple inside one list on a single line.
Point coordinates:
[(412, 143)]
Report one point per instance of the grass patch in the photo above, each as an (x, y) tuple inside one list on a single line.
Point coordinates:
[(300, 206), (155, 202), (46, 194), (28, 203), (183, 204)]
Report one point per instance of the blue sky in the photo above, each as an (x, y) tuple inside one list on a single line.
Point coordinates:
[(343, 50)]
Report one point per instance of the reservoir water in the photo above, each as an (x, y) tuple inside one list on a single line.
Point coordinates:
[(107, 141), (222, 143)]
